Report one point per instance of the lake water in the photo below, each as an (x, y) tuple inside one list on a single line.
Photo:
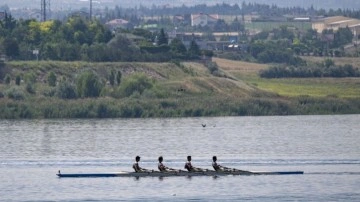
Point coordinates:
[(326, 148)]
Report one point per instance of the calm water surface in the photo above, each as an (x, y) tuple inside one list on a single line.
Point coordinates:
[(326, 148)]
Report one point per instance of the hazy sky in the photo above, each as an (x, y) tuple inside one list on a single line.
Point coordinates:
[(69, 4)]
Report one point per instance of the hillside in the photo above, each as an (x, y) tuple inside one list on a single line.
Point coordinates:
[(169, 90)]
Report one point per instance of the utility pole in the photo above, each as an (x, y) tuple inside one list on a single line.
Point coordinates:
[(45, 10), (90, 9)]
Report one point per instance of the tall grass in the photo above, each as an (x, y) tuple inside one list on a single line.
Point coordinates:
[(175, 93)]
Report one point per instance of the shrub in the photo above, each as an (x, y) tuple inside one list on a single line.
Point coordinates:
[(17, 80), (50, 93), (30, 88), (7, 79), (306, 71), (135, 83), (15, 93), (212, 66), (65, 90), (118, 77), (88, 85), (30, 77), (51, 79), (112, 78)]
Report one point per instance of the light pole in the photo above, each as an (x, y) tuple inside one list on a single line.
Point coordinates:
[(90, 9)]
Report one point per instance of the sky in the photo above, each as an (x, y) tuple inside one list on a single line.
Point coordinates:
[(71, 4)]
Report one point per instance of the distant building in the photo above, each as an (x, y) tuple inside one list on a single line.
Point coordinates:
[(202, 19), (337, 22), (117, 23), (178, 19), (302, 19)]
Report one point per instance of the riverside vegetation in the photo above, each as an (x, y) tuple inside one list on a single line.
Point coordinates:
[(49, 89), (87, 71)]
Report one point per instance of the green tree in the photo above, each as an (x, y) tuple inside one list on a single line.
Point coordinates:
[(237, 26), (162, 38), (221, 26), (342, 37), (123, 49), (11, 47), (9, 22), (138, 82), (88, 85), (177, 47), (194, 50)]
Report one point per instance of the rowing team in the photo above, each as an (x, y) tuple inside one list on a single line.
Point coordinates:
[(188, 166)]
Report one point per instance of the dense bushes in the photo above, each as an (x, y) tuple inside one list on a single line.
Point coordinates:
[(89, 85), (135, 108), (307, 71), (274, 52), (65, 90), (15, 93), (136, 83), (51, 79)]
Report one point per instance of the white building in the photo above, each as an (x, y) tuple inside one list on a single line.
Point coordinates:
[(202, 19), (337, 22)]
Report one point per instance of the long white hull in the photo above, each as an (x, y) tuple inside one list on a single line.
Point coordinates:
[(177, 173)]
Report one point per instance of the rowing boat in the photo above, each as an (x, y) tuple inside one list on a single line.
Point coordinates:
[(178, 173)]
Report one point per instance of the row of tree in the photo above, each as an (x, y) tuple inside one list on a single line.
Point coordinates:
[(284, 45), (325, 69), (81, 39), (226, 9)]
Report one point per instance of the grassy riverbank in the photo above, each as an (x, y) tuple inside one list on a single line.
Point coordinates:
[(177, 90)]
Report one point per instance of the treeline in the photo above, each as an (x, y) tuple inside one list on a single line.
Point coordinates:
[(71, 40), (227, 9), (284, 45), (325, 69), (87, 40)]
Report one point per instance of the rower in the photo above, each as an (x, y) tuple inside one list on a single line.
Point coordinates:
[(218, 167), (162, 167), (136, 166), (191, 168)]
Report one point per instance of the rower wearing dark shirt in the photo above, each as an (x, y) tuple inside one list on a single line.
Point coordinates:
[(162, 167), (218, 167), (191, 168), (136, 166)]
